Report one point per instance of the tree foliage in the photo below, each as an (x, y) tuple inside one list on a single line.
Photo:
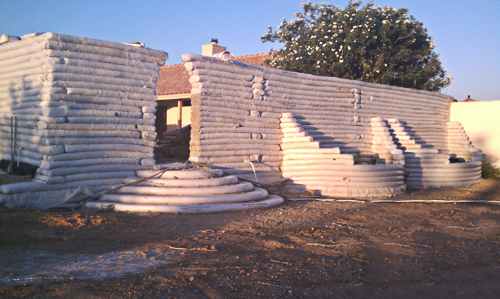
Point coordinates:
[(371, 44)]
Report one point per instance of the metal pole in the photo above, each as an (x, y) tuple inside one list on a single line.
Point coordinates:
[(15, 143), (10, 170)]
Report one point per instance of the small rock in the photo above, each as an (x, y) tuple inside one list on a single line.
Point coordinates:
[(191, 278)]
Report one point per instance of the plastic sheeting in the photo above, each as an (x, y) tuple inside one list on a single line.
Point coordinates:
[(44, 200)]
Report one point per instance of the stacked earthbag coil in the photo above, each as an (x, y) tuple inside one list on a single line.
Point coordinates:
[(85, 108)]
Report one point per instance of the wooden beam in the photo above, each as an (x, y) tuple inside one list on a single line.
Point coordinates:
[(174, 96)]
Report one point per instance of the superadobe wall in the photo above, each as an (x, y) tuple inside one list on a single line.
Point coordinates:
[(243, 112), (84, 108)]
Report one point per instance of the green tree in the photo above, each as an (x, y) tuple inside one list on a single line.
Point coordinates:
[(367, 43)]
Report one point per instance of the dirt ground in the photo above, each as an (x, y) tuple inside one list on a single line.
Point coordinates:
[(297, 250)]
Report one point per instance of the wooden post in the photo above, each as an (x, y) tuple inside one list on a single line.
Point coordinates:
[(164, 125), (179, 122)]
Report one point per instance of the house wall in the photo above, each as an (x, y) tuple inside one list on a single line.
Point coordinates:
[(481, 122), (173, 117)]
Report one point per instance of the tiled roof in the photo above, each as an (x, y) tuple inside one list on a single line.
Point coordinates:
[(257, 59), (174, 79), (469, 99)]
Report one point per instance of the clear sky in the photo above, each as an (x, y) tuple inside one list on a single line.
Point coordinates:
[(467, 33)]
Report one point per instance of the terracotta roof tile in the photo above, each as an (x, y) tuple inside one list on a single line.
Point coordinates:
[(469, 99), (174, 79), (257, 59)]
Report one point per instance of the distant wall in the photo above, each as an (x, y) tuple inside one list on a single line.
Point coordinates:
[(171, 115), (481, 121)]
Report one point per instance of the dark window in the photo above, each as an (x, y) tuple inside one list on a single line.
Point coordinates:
[(186, 103)]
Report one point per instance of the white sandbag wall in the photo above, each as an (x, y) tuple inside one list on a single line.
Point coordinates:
[(187, 191), (230, 125), (427, 167), (330, 173), (85, 107), (236, 109)]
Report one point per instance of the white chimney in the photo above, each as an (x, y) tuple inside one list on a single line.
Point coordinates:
[(212, 48)]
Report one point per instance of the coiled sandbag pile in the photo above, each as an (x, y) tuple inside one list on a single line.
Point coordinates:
[(187, 191), (85, 108)]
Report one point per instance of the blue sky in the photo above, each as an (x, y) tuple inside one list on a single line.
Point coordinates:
[(467, 33)]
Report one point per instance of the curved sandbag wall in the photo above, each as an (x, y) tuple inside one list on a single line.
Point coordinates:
[(187, 191), (237, 110), (84, 107), (428, 167), (331, 173)]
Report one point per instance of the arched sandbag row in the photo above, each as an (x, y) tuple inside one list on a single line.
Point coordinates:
[(271, 201), (330, 173), (424, 185), (85, 107), (451, 175), (256, 194), (187, 191)]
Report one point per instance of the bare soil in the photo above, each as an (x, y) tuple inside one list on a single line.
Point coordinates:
[(297, 250)]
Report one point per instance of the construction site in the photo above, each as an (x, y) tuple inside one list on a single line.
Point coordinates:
[(304, 185)]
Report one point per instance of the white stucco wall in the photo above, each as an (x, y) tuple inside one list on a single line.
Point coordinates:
[(481, 121)]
